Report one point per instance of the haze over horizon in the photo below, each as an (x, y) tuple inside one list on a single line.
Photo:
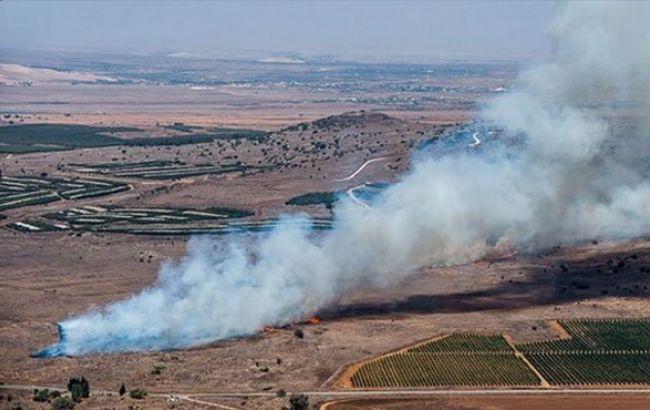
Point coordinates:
[(362, 30)]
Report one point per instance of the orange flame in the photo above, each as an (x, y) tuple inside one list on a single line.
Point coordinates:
[(313, 320), (268, 329)]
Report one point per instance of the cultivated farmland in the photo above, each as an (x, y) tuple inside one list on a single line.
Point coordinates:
[(16, 192), (596, 335), (21, 139), (456, 360), (598, 352), (159, 169), (158, 221)]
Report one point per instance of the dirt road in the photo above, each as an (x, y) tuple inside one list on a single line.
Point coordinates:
[(361, 168)]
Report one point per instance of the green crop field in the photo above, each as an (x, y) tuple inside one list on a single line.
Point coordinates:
[(466, 343), (315, 198), (20, 139), (159, 169), (26, 138), (16, 192), (597, 334), (367, 192), (600, 351), (585, 368), (456, 360)]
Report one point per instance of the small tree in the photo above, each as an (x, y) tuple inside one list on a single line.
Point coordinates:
[(79, 388), (299, 402), (122, 390), (76, 392)]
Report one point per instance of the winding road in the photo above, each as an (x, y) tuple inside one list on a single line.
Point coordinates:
[(361, 168), (355, 198), (476, 142)]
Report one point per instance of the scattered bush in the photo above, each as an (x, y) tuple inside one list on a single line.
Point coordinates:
[(138, 394), (122, 390), (158, 368), (299, 333), (41, 395)]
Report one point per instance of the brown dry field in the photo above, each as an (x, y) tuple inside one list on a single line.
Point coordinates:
[(509, 402), (45, 278), (261, 108)]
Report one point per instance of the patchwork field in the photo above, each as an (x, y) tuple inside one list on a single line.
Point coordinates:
[(16, 192), (595, 352)]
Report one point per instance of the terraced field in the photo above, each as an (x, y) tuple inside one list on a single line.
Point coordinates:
[(22, 191), (159, 169), (456, 360), (156, 221), (598, 352)]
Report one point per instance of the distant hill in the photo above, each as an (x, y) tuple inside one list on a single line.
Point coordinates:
[(16, 74), (347, 119)]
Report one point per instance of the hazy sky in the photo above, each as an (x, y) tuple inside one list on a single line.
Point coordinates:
[(473, 29)]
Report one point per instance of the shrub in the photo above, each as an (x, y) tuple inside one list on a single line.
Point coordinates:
[(299, 333), (42, 395), (122, 390), (138, 394), (158, 367), (63, 403), (299, 402)]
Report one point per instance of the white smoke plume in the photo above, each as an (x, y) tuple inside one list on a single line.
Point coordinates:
[(560, 171)]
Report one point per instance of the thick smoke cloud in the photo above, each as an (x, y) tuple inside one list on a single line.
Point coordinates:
[(555, 166)]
